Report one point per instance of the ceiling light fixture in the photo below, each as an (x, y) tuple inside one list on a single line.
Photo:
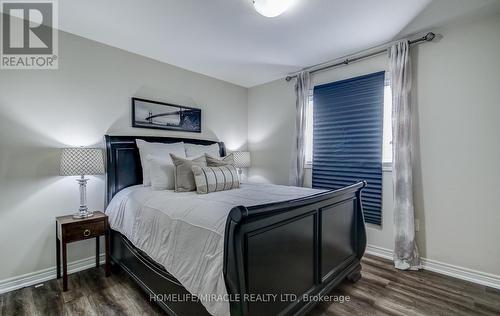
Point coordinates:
[(271, 8)]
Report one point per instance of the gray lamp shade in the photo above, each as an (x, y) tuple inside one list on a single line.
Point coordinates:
[(81, 161), (242, 159)]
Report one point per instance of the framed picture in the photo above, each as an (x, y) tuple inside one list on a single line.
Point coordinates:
[(159, 115)]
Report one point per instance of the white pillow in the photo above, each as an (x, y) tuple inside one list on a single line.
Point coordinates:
[(162, 173), (193, 150), (157, 150)]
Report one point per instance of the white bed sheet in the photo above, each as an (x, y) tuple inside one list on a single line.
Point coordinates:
[(184, 232)]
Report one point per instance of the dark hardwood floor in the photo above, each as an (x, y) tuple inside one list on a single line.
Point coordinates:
[(381, 291)]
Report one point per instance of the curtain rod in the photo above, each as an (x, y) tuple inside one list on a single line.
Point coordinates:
[(426, 38)]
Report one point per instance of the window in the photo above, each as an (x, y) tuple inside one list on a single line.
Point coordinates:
[(387, 135), (348, 130)]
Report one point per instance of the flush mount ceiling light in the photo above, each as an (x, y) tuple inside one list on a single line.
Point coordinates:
[(271, 8)]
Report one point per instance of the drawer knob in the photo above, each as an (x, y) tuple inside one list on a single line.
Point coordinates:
[(86, 232)]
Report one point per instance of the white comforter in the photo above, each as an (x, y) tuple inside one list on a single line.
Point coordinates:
[(185, 231)]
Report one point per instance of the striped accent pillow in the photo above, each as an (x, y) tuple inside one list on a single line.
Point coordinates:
[(212, 179)]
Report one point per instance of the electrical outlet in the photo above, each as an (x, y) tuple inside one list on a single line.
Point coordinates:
[(417, 225)]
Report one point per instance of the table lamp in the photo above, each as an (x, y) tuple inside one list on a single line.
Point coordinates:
[(81, 162), (241, 160)]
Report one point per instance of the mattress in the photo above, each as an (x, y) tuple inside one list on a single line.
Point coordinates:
[(184, 232)]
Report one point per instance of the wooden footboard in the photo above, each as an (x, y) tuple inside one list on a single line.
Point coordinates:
[(277, 257)]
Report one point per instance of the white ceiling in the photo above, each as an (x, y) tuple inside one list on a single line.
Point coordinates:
[(229, 40)]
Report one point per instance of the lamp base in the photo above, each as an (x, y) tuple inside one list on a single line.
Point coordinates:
[(83, 214), (83, 211)]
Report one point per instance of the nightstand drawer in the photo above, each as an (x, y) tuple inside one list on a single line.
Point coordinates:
[(79, 231)]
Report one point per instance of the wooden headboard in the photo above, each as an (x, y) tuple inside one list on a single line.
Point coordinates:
[(124, 164)]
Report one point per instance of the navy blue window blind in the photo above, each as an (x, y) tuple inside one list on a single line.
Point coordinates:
[(347, 145)]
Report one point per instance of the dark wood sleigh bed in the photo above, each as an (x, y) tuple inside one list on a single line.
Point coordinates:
[(295, 249)]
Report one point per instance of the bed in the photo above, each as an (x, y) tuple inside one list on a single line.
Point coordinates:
[(275, 248)]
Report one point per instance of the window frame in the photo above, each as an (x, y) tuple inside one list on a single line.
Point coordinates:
[(309, 134), (387, 165)]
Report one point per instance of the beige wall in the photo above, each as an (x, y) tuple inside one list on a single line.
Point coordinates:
[(88, 97), (457, 154)]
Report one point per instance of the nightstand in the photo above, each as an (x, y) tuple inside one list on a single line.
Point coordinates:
[(69, 229)]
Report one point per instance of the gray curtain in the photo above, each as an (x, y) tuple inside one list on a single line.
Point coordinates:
[(406, 255), (302, 87)]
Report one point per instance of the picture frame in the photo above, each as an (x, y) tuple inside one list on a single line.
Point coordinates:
[(165, 116)]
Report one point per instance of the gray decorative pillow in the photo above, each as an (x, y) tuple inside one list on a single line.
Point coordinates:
[(212, 179), (183, 175), (217, 162)]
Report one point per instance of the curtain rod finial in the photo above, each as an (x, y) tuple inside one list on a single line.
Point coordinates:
[(430, 36), (288, 78)]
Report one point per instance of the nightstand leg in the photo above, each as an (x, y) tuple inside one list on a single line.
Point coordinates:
[(58, 254), (97, 251), (106, 246), (65, 267)]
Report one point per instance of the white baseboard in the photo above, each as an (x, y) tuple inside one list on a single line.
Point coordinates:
[(44, 275), (379, 252), (466, 274)]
